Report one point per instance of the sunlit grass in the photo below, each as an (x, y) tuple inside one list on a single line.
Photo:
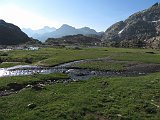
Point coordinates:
[(54, 56), (109, 98), (122, 98), (31, 78)]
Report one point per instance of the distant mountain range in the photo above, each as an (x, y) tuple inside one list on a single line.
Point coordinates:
[(44, 30), (11, 34), (141, 29), (47, 32)]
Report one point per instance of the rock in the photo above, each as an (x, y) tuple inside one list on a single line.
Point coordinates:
[(77, 48), (119, 115), (49, 81), (31, 105), (112, 32), (29, 86), (93, 72), (36, 87), (74, 80), (65, 81), (69, 71), (81, 74)]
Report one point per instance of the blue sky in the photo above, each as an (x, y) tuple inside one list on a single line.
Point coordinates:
[(97, 14)]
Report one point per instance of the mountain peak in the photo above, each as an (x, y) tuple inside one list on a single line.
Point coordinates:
[(46, 27), (85, 28), (66, 26), (156, 4), (2, 21)]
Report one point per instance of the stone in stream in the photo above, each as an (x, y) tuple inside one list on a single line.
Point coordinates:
[(49, 81), (65, 81), (93, 72), (69, 71), (81, 74), (29, 86)]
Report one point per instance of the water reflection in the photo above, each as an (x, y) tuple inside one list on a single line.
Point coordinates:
[(75, 73), (22, 70)]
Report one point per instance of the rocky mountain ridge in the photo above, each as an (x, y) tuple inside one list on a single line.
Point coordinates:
[(142, 26)]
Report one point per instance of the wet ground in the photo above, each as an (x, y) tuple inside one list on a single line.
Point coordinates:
[(130, 69)]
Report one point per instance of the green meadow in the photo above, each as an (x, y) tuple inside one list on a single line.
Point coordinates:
[(54, 56), (98, 98)]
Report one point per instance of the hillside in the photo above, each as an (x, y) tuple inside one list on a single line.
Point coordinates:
[(11, 34), (142, 28), (73, 40)]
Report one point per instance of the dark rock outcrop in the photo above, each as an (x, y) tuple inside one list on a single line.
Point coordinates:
[(11, 34), (142, 26)]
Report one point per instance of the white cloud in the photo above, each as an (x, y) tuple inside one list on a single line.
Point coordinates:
[(25, 18)]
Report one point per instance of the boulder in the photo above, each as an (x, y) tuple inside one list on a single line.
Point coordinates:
[(31, 105)]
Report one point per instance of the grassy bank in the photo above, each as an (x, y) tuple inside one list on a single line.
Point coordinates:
[(104, 98), (31, 78)]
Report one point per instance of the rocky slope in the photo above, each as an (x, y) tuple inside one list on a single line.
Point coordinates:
[(143, 26), (11, 34)]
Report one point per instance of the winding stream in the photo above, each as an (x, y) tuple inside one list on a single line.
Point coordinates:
[(74, 73)]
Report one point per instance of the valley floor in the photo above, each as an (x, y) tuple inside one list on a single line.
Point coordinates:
[(56, 96)]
